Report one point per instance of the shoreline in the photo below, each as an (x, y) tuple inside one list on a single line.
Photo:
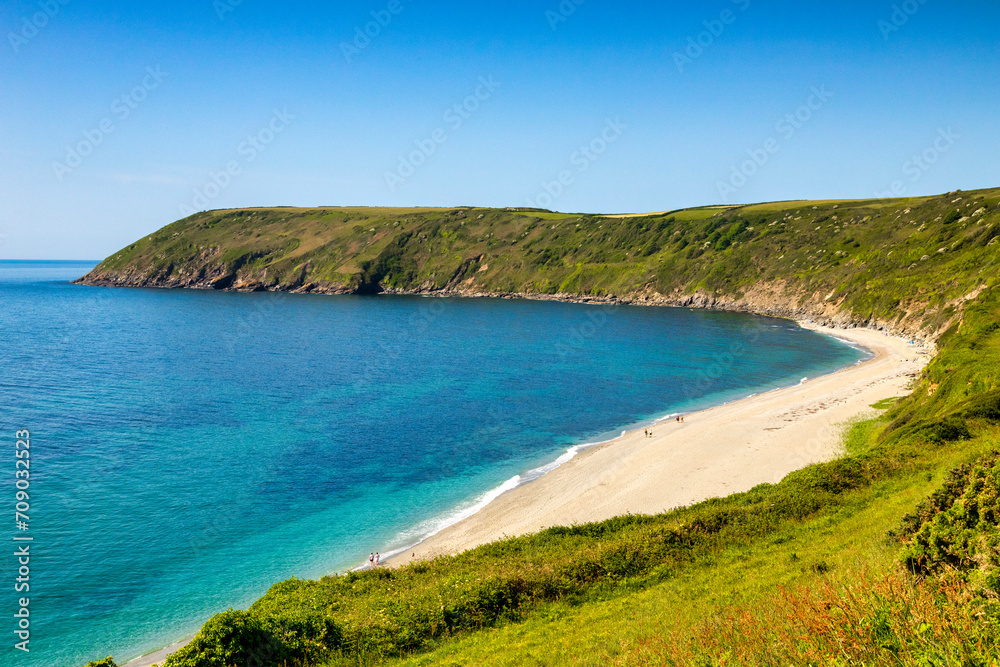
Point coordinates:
[(770, 300), (561, 494), (779, 431), (157, 657)]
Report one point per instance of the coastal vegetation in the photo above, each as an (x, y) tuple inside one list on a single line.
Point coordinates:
[(888, 555), (904, 263)]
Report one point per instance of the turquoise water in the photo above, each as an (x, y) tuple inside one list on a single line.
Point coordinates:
[(189, 449)]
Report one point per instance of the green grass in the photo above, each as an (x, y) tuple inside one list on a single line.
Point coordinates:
[(907, 263), (834, 544), (887, 403), (859, 435), (550, 216)]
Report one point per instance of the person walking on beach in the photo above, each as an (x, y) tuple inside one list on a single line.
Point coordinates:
[(371, 560), (376, 559), (645, 432)]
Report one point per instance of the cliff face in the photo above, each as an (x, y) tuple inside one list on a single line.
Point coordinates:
[(206, 278), (907, 265), (767, 299)]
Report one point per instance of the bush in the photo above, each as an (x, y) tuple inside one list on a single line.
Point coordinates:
[(985, 406), (957, 528), (948, 429), (107, 662), (248, 640)]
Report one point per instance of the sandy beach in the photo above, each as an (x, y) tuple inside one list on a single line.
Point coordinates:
[(158, 657), (716, 452)]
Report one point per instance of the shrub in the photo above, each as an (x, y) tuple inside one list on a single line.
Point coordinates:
[(948, 429), (957, 528), (985, 406), (245, 639)]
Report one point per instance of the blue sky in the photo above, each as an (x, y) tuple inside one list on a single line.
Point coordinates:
[(117, 118)]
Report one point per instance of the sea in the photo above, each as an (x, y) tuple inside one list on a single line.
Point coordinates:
[(188, 449)]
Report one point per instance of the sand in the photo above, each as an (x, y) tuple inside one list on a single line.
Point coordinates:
[(716, 452), (158, 657)]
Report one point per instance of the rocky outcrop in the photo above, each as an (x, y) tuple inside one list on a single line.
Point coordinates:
[(208, 278)]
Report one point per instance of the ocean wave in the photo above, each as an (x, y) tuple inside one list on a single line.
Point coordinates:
[(428, 529)]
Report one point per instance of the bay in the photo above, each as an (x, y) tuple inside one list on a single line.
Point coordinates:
[(189, 449)]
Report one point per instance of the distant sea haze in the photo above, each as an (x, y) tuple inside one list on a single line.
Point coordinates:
[(192, 448)]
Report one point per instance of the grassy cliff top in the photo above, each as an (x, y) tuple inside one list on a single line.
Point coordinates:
[(903, 262)]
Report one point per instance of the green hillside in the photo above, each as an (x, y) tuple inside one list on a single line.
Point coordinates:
[(889, 555), (902, 262)]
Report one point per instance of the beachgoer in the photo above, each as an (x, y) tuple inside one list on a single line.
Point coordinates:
[(376, 558), (646, 432), (371, 560)]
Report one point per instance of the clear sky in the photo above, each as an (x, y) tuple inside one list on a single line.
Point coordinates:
[(117, 118)]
